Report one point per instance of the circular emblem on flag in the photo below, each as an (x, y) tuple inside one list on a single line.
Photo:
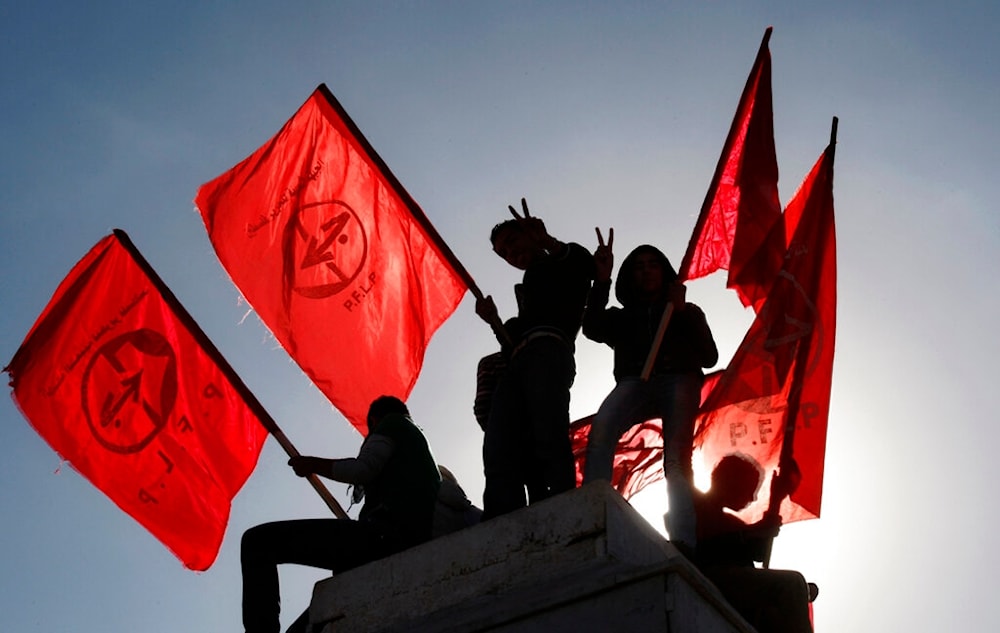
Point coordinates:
[(328, 249), (129, 389)]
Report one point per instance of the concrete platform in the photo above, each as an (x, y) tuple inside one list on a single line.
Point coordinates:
[(582, 561)]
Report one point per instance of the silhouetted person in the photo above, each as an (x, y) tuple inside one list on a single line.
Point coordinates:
[(492, 366), (400, 481), (773, 601), (646, 282), (527, 434), (454, 511)]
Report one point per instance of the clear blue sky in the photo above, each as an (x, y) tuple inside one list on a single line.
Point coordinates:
[(601, 114)]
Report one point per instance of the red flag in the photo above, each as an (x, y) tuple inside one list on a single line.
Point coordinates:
[(772, 402), (333, 254), (742, 202), (121, 382)]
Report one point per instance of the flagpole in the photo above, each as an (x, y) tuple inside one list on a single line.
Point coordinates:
[(795, 395), (668, 312), (647, 368), (192, 326), (412, 206)]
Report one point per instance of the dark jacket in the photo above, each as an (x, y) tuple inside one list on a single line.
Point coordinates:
[(405, 491), (554, 292), (688, 345)]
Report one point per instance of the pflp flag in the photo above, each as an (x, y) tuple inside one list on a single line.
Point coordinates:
[(772, 402), (742, 202), (120, 381), (336, 258)]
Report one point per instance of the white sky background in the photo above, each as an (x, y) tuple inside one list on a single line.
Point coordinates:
[(601, 115)]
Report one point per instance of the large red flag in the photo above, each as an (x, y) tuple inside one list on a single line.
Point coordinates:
[(771, 404), (333, 254), (742, 203), (122, 383)]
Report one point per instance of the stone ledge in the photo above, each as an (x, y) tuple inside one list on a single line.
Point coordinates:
[(567, 561)]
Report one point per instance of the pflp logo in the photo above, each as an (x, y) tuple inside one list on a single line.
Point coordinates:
[(129, 390), (325, 250)]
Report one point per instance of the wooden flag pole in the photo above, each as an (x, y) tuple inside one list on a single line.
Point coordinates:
[(209, 347), (654, 349), (314, 479)]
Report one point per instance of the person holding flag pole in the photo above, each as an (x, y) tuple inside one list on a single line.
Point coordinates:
[(526, 442), (736, 217), (669, 388), (396, 474)]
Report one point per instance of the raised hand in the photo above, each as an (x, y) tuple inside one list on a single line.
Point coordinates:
[(604, 259), (532, 226)]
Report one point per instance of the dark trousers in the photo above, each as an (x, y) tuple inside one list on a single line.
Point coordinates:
[(527, 441), (334, 544)]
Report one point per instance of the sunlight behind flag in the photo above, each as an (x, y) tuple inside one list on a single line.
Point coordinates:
[(336, 258)]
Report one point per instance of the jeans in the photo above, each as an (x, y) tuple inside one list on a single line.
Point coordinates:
[(674, 398), (527, 435), (334, 544)]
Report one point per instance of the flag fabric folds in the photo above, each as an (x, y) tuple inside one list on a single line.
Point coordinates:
[(638, 458), (771, 403), (336, 258), (121, 382), (742, 203)]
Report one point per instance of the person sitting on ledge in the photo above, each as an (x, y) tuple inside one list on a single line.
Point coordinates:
[(400, 480), (773, 601)]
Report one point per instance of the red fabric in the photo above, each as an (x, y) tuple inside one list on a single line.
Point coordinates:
[(334, 256), (116, 378), (773, 400), (639, 455), (743, 206)]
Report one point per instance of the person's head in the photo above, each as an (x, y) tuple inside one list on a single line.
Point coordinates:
[(735, 481), (644, 275), (383, 406), (447, 474), (515, 245)]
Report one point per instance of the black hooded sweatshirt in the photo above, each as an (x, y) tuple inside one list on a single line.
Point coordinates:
[(687, 345)]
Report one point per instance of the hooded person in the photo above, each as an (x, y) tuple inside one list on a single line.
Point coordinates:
[(645, 284)]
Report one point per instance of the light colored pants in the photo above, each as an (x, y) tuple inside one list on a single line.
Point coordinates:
[(674, 398)]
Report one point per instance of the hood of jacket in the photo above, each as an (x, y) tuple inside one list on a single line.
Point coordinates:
[(625, 286)]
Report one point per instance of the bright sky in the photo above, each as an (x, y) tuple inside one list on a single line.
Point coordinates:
[(601, 114)]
